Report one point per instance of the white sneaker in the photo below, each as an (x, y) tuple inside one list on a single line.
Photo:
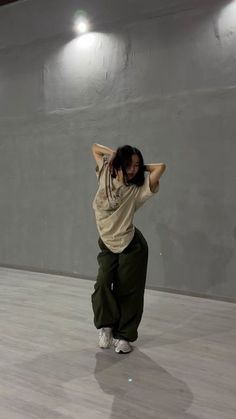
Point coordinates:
[(105, 337), (122, 346)]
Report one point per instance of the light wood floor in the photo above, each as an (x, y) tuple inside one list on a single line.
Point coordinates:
[(183, 365)]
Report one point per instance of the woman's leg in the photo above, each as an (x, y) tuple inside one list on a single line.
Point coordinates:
[(129, 287), (105, 309)]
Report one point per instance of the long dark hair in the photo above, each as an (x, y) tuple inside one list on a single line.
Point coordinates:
[(123, 159)]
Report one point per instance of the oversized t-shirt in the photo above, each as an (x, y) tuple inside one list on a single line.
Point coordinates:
[(114, 205)]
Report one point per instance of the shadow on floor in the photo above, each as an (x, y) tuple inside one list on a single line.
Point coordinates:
[(141, 388)]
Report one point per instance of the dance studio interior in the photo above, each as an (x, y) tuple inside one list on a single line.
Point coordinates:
[(159, 75)]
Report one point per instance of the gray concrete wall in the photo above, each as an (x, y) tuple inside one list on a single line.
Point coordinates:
[(157, 74)]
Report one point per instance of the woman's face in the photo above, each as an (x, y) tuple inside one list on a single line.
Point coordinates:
[(134, 166)]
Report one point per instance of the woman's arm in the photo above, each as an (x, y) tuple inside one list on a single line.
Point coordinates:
[(99, 151), (155, 170)]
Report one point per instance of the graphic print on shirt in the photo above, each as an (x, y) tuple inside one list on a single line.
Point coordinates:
[(109, 195)]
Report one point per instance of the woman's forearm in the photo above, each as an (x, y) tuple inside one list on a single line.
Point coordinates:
[(156, 170), (154, 166), (101, 150)]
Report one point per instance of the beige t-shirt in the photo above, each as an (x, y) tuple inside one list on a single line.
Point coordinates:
[(114, 205)]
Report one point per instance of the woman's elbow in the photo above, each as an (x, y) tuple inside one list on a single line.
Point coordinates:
[(163, 167)]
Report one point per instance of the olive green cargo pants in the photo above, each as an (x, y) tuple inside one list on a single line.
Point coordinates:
[(118, 295)]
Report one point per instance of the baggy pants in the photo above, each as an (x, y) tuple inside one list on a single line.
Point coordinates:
[(118, 295)]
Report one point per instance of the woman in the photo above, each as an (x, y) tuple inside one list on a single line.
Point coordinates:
[(118, 295)]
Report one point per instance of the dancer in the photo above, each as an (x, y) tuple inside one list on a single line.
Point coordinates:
[(118, 295)]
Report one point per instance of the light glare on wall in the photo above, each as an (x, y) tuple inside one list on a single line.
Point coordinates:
[(227, 19), (81, 26)]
